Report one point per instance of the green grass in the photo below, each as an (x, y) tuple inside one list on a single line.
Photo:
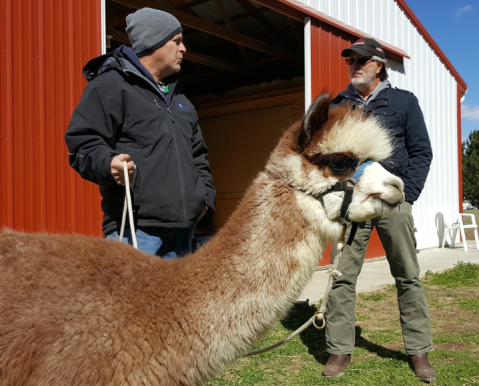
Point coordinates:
[(470, 304), (374, 297), (470, 232), (475, 212), (379, 357), (463, 275)]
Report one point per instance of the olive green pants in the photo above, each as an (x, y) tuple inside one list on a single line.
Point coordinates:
[(396, 233)]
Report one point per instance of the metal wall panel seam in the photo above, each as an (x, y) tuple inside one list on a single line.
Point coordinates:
[(56, 106), (40, 173), (74, 203), (19, 73), (52, 69), (6, 115)]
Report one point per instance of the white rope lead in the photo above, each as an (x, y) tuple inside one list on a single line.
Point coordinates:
[(318, 315), (127, 207), (333, 274), (297, 332)]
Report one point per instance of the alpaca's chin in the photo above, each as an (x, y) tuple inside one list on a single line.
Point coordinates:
[(371, 208)]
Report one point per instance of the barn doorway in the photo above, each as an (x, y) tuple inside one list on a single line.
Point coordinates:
[(243, 71)]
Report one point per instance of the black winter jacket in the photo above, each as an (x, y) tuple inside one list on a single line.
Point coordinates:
[(412, 154), (123, 111)]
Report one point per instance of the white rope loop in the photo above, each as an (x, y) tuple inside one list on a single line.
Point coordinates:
[(128, 207)]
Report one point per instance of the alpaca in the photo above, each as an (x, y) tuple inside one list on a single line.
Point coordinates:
[(78, 310)]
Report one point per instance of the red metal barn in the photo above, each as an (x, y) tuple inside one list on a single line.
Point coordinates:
[(44, 45), (251, 68)]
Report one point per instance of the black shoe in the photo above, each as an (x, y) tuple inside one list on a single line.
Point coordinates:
[(336, 365), (422, 368)]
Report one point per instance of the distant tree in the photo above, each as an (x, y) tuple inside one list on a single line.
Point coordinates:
[(470, 168)]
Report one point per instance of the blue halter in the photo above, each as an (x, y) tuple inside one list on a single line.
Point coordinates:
[(342, 186), (360, 171)]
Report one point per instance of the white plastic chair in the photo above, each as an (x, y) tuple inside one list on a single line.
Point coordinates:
[(453, 222)]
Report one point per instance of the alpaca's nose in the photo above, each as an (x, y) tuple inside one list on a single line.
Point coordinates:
[(396, 189)]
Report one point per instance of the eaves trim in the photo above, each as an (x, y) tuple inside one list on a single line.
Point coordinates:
[(299, 11)]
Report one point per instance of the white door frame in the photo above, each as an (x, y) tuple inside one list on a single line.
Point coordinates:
[(307, 63)]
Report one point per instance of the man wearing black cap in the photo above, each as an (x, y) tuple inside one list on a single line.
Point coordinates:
[(132, 110), (400, 112)]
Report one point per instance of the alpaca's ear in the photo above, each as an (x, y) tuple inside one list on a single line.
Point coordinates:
[(314, 119)]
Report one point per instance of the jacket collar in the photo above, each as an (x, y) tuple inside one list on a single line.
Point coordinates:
[(124, 59), (352, 93), (131, 62)]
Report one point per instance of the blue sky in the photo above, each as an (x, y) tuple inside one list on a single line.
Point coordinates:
[(454, 26)]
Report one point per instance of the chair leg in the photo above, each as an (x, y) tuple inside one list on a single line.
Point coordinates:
[(464, 241), (453, 237), (476, 238), (444, 238)]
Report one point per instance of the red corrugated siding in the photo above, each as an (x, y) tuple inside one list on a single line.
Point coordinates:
[(6, 114), (44, 45), (329, 74)]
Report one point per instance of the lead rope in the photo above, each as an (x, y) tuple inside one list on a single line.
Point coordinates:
[(127, 207), (321, 314), (333, 274)]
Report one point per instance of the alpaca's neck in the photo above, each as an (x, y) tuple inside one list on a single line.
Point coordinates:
[(256, 266), (275, 236)]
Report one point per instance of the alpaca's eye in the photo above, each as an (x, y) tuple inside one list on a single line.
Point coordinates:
[(343, 165)]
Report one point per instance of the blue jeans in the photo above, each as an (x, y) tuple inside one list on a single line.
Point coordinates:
[(168, 243)]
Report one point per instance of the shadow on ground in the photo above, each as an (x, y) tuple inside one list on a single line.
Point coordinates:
[(315, 340)]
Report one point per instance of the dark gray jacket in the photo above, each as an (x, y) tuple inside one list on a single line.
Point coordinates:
[(123, 111), (400, 111)]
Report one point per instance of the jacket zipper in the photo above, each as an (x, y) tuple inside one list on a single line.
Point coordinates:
[(167, 109), (154, 99), (180, 173), (182, 187), (171, 116)]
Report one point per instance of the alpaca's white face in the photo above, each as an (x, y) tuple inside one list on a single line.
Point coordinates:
[(377, 193), (351, 139), (331, 145)]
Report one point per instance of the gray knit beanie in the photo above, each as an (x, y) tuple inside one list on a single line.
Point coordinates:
[(149, 29)]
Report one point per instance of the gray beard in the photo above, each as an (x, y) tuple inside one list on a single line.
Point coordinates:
[(364, 83)]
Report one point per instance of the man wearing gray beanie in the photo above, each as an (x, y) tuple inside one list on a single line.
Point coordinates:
[(133, 111)]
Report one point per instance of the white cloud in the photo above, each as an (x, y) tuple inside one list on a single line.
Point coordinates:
[(462, 10), (470, 112)]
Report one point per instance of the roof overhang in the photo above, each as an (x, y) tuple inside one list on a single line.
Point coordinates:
[(299, 11)]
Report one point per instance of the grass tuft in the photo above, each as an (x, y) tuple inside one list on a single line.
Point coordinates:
[(375, 297), (462, 275)]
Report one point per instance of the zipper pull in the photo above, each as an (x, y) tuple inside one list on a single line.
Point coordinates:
[(171, 116), (156, 103)]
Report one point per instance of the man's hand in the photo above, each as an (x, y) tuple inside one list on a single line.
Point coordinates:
[(117, 168)]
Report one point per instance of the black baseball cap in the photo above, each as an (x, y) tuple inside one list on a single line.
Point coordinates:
[(365, 47)]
